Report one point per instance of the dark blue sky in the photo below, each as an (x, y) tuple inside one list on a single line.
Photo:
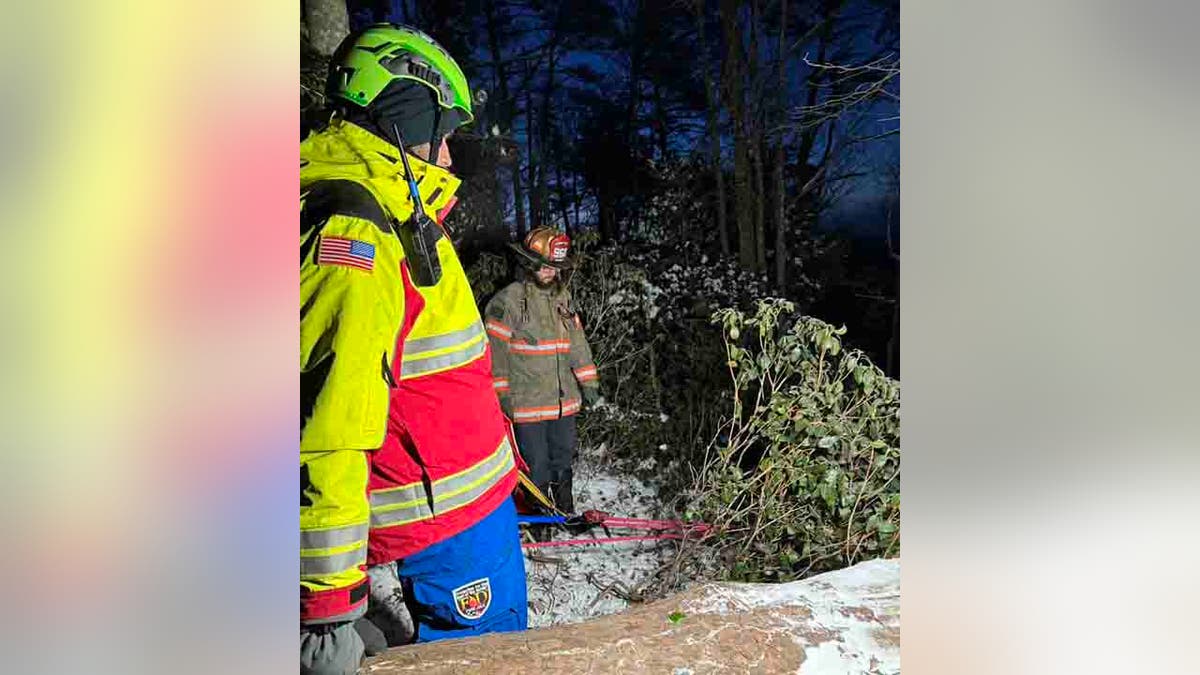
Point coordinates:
[(872, 158)]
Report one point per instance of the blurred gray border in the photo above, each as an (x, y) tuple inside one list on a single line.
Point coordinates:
[(1050, 219)]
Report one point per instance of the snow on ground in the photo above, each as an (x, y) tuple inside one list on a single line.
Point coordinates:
[(569, 584)]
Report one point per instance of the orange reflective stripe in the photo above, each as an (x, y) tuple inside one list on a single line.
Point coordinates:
[(535, 414), (548, 412), (501, 384), (498, 330), (542, 347), (586, 373)]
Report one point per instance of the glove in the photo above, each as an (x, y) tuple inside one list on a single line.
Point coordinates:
[(374, 641), (330, 649), (386, 608), (592, 398)]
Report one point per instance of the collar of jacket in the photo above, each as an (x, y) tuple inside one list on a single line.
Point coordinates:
[(532, 287), (344, 150)]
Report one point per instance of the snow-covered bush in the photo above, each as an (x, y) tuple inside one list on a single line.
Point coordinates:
[(646, 310), (804, 473)]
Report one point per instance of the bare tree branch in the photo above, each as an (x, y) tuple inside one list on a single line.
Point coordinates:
[(850, 86)]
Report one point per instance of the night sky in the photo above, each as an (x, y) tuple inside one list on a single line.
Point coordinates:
[(865, 196)]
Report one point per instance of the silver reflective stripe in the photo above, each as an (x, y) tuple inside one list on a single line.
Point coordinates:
[(546, 347), (407, 514), (333, 537), (408, 495), (414, 367), (428, 344), (447, 502), (413, 494), (448, 494), (332, 564)]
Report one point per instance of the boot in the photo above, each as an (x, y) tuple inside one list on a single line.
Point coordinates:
[(541, 532), (387, 609), (563, 496)]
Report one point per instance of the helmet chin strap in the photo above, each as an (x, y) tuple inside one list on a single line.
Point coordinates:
[(435, 148)]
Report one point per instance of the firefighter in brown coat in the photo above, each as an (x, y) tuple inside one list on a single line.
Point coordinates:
[(541, 362)]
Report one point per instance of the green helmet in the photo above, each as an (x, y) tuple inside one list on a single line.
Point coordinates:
[(366, 63)]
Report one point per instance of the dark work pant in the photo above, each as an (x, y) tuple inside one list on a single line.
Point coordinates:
[(549, 449)]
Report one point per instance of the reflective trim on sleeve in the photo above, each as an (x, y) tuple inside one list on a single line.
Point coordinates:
[(332, 563), (499, 330), (333, 537)]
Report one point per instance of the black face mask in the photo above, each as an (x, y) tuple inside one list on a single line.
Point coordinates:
[(410, 106)]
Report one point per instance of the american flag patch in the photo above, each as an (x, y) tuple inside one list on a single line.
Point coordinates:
[(346, 252)]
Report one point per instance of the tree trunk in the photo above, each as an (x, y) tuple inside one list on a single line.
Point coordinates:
[(535, 207), (781, 255), (328, 24), (734, 85), (755, 138), (575, 197), (505, 106), (714, 133), (760, 207), (661, 122), (519, 199), (631, 111), (608, 214), (544, 136), (728, 628), (809, 137), (561, 186)]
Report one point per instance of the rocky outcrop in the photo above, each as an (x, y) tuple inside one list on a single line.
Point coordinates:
[(846, 621)]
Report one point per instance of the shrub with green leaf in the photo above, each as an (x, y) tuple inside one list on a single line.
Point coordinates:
[(804, 475)]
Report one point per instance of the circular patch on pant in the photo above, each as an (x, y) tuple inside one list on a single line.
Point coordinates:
[(473, 599)]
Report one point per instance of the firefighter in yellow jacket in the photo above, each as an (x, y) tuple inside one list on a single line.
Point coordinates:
[(541, 362), (408, 529)]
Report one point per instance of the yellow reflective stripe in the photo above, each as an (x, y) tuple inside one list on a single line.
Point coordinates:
[(435, 342), (449, 493), (413, 367), (325, 582), (332, 563), (333, 537)]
